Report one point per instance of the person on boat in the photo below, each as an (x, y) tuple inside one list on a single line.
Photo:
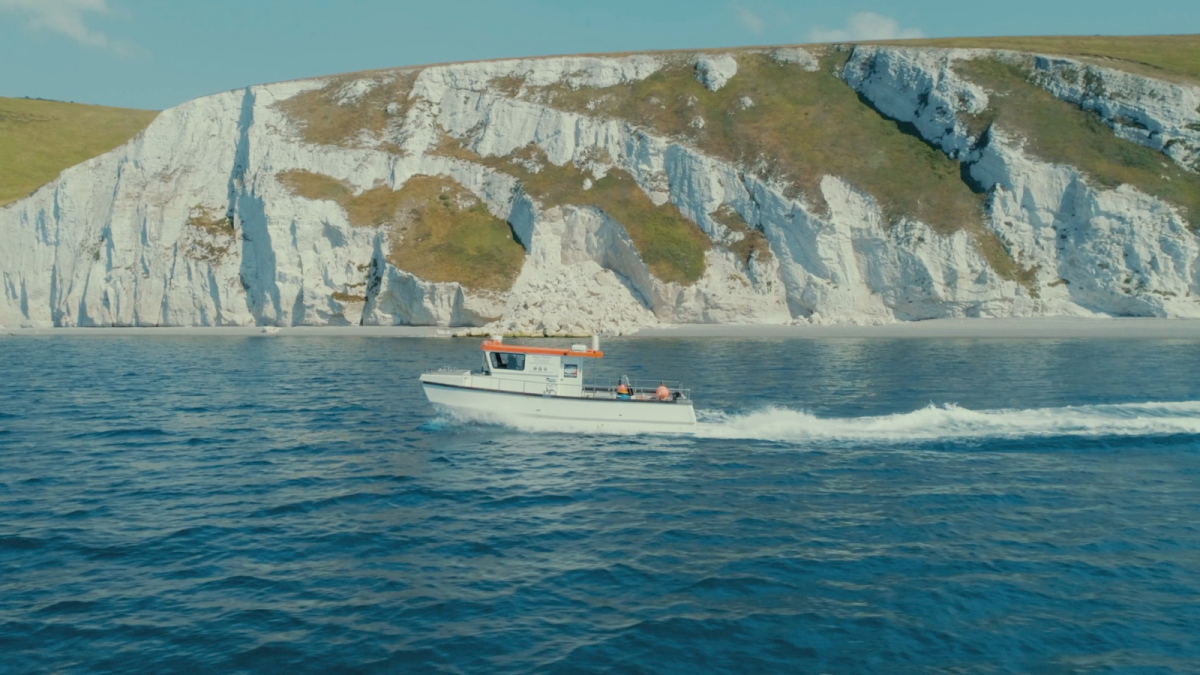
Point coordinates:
[(662, 392), (623, 390)]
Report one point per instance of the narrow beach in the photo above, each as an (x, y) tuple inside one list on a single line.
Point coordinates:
[(1003, 328)]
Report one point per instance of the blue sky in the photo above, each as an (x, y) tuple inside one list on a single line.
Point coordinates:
[(158, 53)]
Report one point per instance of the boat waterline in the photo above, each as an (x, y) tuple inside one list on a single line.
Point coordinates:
[(560, 413)]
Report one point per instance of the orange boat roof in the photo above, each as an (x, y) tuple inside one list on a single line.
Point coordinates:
[(493, 346)]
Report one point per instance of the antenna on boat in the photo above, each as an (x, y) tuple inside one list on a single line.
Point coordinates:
[(595, 342)]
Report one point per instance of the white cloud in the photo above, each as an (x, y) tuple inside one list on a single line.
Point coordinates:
[(749, 20), (65, 17), (864, 26)]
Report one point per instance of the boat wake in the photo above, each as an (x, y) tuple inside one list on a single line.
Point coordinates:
[(931, 423), (947, 422)]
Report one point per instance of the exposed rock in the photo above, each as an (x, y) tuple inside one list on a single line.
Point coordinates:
[(714, 71), (1161, 115), (107, 243), (797, 55), (1113, 251)]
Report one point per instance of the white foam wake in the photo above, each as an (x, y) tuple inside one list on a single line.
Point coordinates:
[(949, 421)]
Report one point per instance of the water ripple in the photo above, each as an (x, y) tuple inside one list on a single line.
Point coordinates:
[(213, 505)]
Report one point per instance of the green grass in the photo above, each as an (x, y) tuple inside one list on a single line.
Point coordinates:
[(322, 121), (370, 208), (451, 236), (1062, 133), (1174, 58), (212, 221), (217, 226), (801, 127), (439, 231), (672, 246), (753, 243), (38, 139)]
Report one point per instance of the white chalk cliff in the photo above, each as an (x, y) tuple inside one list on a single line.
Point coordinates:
[(113, 241)]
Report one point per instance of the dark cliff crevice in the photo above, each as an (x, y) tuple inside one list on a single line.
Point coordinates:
[(247, 212)]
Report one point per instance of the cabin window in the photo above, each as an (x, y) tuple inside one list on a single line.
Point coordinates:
[(505, 361)]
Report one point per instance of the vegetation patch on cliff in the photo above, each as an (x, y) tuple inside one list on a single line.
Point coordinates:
[(753, 243), (439, 230), (1063, 133), (369, 208), (348, 297), (1174, 58), (38, 139), (797, 126), (210, 235), (346, 113), (449, 235), (672, 246)]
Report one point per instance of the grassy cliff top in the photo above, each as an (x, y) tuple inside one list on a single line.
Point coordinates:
[(1175, 58), (38, 139)]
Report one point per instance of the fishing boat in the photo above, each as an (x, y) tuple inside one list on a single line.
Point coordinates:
[(544, 387)]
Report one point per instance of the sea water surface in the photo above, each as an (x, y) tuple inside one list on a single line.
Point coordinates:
[(268, 505)]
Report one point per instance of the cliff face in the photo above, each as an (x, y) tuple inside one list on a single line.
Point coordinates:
[(568, 195)]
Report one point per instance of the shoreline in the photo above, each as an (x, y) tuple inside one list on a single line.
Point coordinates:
[(1001, 328), (995, 329), (235, 331)]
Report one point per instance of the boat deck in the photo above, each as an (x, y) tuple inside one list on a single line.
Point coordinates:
[(638, 390), (601, 389)]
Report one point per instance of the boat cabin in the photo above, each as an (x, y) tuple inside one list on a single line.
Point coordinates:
[(537, 370)]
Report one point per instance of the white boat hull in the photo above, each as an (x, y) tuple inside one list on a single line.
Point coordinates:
[(560, 413)]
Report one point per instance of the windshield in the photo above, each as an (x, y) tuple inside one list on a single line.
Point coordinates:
[(503, 361)]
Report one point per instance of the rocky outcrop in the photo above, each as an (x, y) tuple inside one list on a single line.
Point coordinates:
[(1160, 115), (714, 71), (1110, 251), (190, 224)]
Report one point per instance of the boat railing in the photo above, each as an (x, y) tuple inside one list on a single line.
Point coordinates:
[(642, 390), (638, 389)]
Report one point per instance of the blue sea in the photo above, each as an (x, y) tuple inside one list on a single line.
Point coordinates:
[(293, 505)]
